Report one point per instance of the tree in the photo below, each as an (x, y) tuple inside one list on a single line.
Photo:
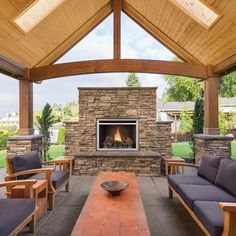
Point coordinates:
[(61, 135), (133, 80), (228, 85), (186, 122), (198, 116), (43, 123), (182, 89)]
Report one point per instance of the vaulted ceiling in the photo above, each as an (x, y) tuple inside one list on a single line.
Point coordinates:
[(74, 19)]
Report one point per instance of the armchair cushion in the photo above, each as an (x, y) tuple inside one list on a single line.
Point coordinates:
[(58, 177), (26, 161), (211, 216), (175, 180), (13, 212), (226, 176), (208, 167), (191, 193)]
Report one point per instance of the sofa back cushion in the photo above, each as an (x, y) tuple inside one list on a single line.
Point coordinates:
[(26, 161), (208, 167), (226, 176)]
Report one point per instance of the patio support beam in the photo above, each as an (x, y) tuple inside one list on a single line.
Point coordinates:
[(117, 28), (122, 65), (10, 68), (26, 107), (211, 107)]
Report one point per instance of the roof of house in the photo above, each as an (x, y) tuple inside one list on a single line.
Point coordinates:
[(72, 20)]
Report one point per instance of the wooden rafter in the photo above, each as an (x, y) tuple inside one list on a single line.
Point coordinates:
[(117, 28), (10, 68), (158, 34), (225, 65), (123, 65), (77, 36)]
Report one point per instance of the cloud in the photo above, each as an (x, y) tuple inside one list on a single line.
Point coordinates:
[(135, 43)]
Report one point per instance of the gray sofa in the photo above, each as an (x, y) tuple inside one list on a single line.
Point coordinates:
[(210, 195)]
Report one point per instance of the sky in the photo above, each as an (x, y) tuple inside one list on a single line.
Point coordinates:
[(135, 44)]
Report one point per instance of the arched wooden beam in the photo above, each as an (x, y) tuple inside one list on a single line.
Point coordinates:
[(122, 65)]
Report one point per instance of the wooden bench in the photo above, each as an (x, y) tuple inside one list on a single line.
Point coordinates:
[(120, 215)]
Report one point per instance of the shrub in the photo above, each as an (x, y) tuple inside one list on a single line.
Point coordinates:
[(61, 135)]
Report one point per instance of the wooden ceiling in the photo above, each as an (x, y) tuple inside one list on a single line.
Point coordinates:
[(72, 20)]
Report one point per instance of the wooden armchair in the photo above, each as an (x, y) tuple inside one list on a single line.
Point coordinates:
[(15, 214), (29, 166)]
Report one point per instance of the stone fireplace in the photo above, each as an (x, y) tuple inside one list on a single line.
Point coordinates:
[(117, 134), (117, 131)]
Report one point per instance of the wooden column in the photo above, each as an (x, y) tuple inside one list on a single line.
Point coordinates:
[(117, 28), (26, 107), (211, 106)]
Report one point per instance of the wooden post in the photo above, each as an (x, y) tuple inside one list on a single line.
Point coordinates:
[(26, 107), (117, 28), (211, 107)]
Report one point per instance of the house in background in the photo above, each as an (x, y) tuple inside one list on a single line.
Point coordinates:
[(170, 111)]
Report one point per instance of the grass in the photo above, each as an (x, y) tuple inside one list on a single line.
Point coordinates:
[(183, 150), (55, 151)]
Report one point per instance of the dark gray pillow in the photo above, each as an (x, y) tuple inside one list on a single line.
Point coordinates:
[(226, 176), (26, 161), (208, 167)]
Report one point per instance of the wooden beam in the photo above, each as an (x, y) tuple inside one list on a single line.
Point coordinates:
[(211, 107), (123, 65), (77, 36), (10, 68), (117, 29), (158, 34), (225, 65), (26, 107)]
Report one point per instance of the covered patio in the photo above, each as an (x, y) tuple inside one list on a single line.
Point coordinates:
[(35, 34)]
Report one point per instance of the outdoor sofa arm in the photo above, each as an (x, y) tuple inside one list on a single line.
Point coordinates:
[(229, 218), (174, 165), (28, 193), (62, 164)]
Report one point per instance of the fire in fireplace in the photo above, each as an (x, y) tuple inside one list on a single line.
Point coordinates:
[(116, 134)]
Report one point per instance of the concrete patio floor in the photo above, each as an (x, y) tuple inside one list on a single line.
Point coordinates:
[(165, 217)]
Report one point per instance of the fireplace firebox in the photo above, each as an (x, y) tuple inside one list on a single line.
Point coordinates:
[(117, 134)]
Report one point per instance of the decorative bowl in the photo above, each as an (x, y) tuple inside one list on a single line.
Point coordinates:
[(114, 187)]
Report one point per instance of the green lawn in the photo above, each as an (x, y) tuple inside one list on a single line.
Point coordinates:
[(183, 150), (55, 151)]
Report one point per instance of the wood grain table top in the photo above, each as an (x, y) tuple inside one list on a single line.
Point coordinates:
[(105, 215)]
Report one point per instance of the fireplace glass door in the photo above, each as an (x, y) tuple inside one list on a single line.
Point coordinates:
[(116, 134)]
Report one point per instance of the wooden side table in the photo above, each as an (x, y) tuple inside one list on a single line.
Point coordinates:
[(172, 159), (69, 160), (40, 192)]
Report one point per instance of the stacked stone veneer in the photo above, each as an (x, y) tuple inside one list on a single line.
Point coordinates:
[(117, 103), (219, 145), (20, 144)]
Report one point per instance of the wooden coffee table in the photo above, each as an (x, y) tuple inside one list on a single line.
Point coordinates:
[(121, 215)]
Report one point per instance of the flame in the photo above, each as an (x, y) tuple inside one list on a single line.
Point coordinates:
[(117, 135)]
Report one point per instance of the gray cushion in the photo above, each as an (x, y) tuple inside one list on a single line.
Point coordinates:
[(13, 212), (58, 177), (208, 167), (226, 176), (26, 161), (210, 215), (175, 180), (191, 193)]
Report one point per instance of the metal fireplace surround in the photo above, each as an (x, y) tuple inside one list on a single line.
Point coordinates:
[(117, 135)]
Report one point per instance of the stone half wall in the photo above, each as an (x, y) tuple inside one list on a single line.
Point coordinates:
[(117, 103)]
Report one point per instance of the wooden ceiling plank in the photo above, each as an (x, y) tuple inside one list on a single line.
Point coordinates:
[(77, 36), (10, 68), (123, 65), (158, 34)]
